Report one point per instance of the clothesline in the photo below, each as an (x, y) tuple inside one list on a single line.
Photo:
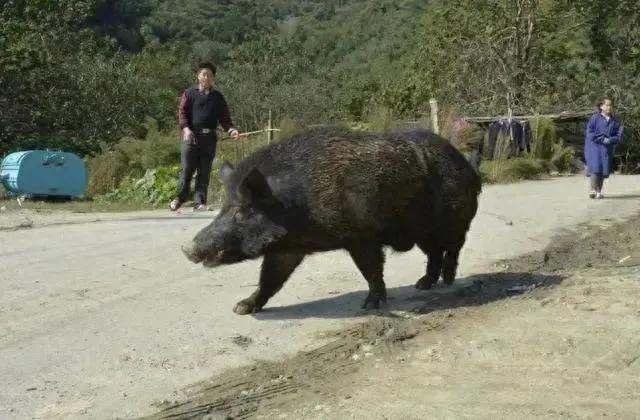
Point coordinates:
[(508, 138), (580, 115)]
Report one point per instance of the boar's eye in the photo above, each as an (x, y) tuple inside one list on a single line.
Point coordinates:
[(241, 214)]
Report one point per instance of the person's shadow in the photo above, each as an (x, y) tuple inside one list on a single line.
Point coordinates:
[(470, 291), (621, 196)]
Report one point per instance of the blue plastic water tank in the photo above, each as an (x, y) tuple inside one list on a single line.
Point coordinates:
[(44, 173)]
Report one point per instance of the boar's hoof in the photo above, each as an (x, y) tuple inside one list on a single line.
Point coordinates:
[(424, 283), (246, 307), (373, 300)]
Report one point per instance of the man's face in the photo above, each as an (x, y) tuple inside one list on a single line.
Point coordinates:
[(607, 107), (205, 78)]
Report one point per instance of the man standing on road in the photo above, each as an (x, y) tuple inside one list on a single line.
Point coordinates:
[(201, 109), (602, 134)]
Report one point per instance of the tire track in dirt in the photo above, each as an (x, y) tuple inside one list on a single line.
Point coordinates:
[(239, 393)]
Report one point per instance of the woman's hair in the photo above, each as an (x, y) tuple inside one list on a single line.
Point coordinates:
[(601, 101)]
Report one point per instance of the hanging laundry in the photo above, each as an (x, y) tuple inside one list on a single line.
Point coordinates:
[(508, 138)]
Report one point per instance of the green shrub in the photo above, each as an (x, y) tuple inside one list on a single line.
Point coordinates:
[(4, 194), (544, 137), (379, 119), (106, 171), (215, 193), (288, 127), (464, 136), (146, 171), (235, 150), (157, 186), (132, 158), (511, 170), (563, 158)]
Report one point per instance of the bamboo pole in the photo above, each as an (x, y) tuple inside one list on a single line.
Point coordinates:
[(433, 103)]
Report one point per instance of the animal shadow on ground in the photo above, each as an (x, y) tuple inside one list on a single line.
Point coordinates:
[(470, 291), (621, 196), (222, 396), (164, 219)]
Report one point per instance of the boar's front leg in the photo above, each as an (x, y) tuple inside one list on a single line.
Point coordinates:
[(370, 261), (276, 269), (434, 265)]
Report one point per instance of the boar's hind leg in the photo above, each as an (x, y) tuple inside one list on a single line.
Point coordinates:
[(369, 259), (450, 263), (276, 269), (434, 266)]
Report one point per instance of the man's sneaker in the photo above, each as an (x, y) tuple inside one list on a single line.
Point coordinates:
[(592, 194), (175, 204), (599, 196)]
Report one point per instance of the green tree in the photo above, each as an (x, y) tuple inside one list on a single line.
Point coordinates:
[(62, 86), (488, 56)]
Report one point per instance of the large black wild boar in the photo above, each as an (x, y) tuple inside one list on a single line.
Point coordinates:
[(328, 189)]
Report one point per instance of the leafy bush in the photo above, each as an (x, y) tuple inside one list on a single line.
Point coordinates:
[(510, 170), (544, 137), (628, 152), (157, 186), (380, 119), (132, 158), (464, 136), (146, 171), (563, 158), (106, 171), (288, 127)]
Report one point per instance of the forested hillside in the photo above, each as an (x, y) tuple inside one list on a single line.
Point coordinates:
[(82, 74)]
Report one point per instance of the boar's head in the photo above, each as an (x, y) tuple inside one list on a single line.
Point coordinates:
[(249, 222)]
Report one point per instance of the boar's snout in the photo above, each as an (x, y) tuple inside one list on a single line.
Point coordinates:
[(189, 250)]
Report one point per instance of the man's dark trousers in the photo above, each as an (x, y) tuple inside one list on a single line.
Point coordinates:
[(196, 157)]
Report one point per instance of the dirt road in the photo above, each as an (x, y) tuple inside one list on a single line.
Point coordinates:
[(103, 319), (554, 335)]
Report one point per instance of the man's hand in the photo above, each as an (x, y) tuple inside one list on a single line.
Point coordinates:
[(606, 140), (233, 133), (187, 135)]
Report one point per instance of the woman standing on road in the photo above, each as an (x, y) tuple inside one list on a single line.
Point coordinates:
[(602, 134)]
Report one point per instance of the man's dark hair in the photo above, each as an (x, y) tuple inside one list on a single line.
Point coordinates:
[(208, 65)]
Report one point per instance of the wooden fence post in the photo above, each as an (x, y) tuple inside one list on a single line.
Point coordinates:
[(269, 132), (434, 115)]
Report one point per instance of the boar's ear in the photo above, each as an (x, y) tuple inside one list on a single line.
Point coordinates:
[(225, 172), (254, 187)]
